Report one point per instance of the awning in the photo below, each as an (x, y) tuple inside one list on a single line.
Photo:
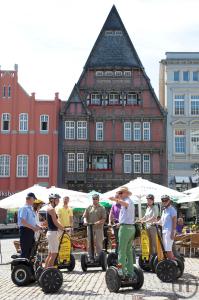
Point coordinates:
[(182, 179), (195, 179)]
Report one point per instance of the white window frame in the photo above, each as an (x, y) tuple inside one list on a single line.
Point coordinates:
[(132, 98), (22, 165), (23, 122), (127, 73), (80, 162), (174, 76), (127, 163), (82, 130), (95, 99), (194, 144), (5, 117), (186, 71), (69, 130), (127, 131), (146, 130), (118, 74), (194, 98), (99, 73), (99, 131), (109, 73), (182, 136), (45, 119), (137, 163), (114, 98), (146, 164), (197, 76), (178, 98), (136, 130), (71, 162), (4, 165), (42, 166)]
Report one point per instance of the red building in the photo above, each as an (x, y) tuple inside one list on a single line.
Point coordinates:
[(28, 137), (113, 126)]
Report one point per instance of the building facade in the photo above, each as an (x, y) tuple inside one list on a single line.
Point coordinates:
[(28, 137), (179, 94), (113, 126)]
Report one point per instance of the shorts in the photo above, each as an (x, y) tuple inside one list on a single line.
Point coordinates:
[(167, 241), (53, 241)]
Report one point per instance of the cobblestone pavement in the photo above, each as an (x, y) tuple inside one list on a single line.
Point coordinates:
[(91, 285)]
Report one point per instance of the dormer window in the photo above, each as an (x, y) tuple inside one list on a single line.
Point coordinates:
[(99, 73), (109, 73), (118, 73), (118, 32), (113, 99), (132, 99), (109, 32), (127, 73), (95, 99)]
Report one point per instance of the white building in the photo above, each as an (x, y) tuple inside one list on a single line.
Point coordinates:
[(179, 94)]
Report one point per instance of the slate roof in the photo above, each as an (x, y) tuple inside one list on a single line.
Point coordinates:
[(113, 50)]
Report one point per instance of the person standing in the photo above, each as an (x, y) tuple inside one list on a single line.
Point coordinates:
[(150, 216), (95, 214), (27, 226), (65, 214), (114, 220), (126, 233)]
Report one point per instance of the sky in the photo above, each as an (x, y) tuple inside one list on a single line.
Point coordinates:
[(50, 40)]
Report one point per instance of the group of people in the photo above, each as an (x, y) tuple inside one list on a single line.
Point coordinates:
[(121, 218)]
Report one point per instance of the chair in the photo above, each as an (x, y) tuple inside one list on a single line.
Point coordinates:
[(192, 242)]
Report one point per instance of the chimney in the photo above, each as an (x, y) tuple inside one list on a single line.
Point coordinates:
[(16, 67), (56, 95), (33, 95)]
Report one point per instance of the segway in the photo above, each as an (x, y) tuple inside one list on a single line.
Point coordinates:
[(93, 261), (167, 270)]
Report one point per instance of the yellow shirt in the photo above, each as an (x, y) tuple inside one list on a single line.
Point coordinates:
[(64, 215)]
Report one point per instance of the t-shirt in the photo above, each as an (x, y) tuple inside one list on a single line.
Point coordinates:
[(94, 214), (166, 219), (127, 214), (150, 212), (64, 215)]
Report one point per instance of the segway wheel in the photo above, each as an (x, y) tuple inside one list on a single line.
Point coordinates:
[(21, 275), (166, 270), (51, 280), (84, 262), (71, 265), (144, 265), (113, 280), (180, 267), (140, 278), (151, 262), (38, 273), (103, 260), (155, 263), (112, 259)]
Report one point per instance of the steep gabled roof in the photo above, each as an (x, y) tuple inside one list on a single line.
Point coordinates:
[(74, 98), (111, 48)]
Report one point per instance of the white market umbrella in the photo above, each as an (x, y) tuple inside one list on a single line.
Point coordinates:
[(194, 191), (140, 188), (17, 200)]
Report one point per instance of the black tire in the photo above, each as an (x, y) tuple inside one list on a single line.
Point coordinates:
[(21, 275), (71, 265), (140, 276), (144, 265), (112, 259), (180, 267), (51, 280), (103, 260), (84, 260), (113, 280), (166, 270), (151, 261)]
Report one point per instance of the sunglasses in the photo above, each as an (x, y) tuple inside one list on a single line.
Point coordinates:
[(165, 200), (95, 198)]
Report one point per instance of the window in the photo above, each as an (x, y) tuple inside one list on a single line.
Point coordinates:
[(23, 122), (95, 99), (99, 131), (100, 162), (146, 163), (118, 32), (9, 91), (22, 166), (127, 163), (146, 131), (43, 166), (132, 99), (127, 73), (71, 162), (5, 122), (195, 105), (195, 141), (69, 130), (185, 75), (4, 165), (44, 119), (113, 99), (180, 141), (176, 75), (179, 105), (118, 73), (4, 91), (80, 162), (195, 76), (109, 32), (99, 73), (109, 73), (137, 131), (137, 163), (127, 131), (81, 130)]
